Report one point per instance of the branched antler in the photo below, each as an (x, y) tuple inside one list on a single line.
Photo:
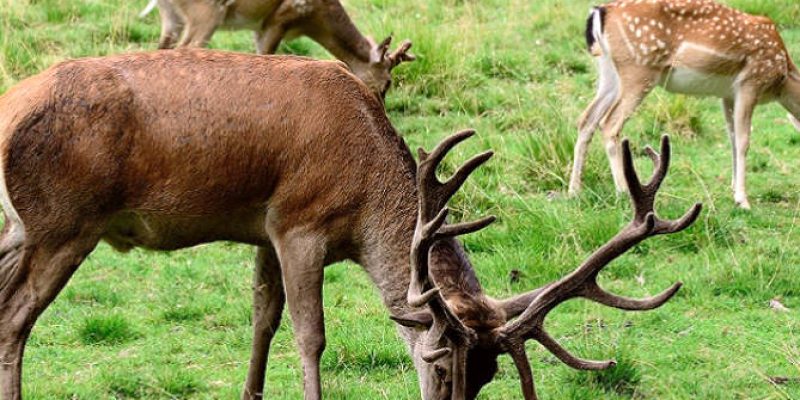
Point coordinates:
[(431, 227), (380, 53), (583, 281)]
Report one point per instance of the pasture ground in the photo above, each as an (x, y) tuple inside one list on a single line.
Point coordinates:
[(151, 325)]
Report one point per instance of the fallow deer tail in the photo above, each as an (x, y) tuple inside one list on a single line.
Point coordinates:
[(147, 10)]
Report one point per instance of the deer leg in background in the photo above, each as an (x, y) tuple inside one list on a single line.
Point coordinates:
[(172, 24), (268, 39), (635, 86), (746, 100), (268, 301), (301, 257), (727, 109), (607, 95), (202, 19), (41, 272)]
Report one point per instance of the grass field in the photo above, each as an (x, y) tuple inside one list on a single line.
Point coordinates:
[(177, 325)]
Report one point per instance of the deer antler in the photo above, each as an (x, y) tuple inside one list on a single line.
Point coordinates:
[(433, 196), (431, 227), (583, 281), (380, 53)]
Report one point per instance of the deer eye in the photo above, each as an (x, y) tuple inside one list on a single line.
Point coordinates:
[(440, 372)]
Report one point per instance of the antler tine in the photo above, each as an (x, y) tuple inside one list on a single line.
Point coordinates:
[(666, 227), (661, 162), (437, 154), (637, 192), (517, 352), (452, 185), (452, 230), (583, 281), (401, 54), (567, 358), (595, 293)]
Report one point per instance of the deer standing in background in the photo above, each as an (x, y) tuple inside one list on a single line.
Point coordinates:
[(94, 150), (192, 23), (696, 47)]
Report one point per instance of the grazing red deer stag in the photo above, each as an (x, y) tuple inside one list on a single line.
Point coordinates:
[(696, 47), (94, 150), (193, 22)]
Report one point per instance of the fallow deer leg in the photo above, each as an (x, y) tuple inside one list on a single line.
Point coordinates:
[(745, 103), (727, 109), (172, 24), (635, 87), (202, 19), (608, 87), (41, 272), (268, 39), (301, 257), (268, 301)]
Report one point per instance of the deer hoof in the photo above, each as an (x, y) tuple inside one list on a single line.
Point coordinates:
[(743, 203)]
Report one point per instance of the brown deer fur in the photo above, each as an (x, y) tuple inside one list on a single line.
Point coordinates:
[(193, 22), (696, 47)]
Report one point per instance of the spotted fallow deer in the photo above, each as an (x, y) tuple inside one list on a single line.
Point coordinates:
[(191, 23), (695, 47), (293, 156)]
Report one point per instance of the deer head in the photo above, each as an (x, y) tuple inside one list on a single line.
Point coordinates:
[(456, 358)]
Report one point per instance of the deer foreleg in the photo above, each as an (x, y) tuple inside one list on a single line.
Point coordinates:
[(634, 90), (727, 109), (608, 87), (39, 275), (301, 258), (172, 24), (268, 301), (268, 39), (202, 19)]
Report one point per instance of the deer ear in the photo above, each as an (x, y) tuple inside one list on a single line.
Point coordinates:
[(419, 320)]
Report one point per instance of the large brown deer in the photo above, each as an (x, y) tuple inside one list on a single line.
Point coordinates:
[(291, 155), (192, 23), (695, 47)]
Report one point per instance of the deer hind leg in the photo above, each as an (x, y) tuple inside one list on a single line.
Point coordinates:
[(608, 87), (302, 259), (172, 24), (202, 19), (268, 301), (727, 109), (634, 88), (40, 272), (746, 100), (790, 97)]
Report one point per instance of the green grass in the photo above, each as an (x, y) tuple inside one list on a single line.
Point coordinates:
[(152, 326)]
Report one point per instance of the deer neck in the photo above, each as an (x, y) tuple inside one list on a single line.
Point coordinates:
[(349, 45)]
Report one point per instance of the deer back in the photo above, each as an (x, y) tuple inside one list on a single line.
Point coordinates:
[(185, 142)]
